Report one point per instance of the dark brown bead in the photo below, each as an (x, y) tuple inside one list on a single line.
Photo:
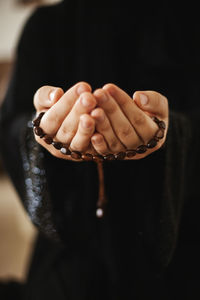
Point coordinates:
[(68, 152), (98, 157), (36, 121), (156, 120), (48, 139), (162, 125), (141, 149), (57, 145), (87, 157), (159, 134), (109, 157), (76, 154), (120, 156), (130, 153), (41, 115), (152, 143), (39, 131)]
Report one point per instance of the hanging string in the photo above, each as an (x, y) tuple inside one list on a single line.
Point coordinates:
[(102, 199)]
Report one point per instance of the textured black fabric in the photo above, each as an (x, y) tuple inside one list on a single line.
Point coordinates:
[(147, 245)]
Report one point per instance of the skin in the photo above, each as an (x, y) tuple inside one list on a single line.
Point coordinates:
[(105, 121)]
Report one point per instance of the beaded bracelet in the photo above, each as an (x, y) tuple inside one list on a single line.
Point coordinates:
[(64, 149)]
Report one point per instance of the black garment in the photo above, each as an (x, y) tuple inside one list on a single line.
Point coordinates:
[(10, 290), (147, 244)]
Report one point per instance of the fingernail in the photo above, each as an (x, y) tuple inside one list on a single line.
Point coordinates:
[(85, 124), (103, 97), (101, 118), (143, 99), (81, 89), (98, 117), (52, 95), (85, 102), (97, 141)]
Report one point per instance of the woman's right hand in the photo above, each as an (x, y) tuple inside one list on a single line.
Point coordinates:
[(67, 117)]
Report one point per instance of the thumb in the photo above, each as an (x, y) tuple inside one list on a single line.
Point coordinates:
[(46, 96), (152, 102)]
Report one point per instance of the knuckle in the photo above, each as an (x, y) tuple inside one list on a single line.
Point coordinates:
[(86, 132), (111, 110), (113, 144), (48, 124), (64, 130), (139, 119), (65, 134), (125, 131), (50, 119), (83, 132), (105, 127), (123, 102)]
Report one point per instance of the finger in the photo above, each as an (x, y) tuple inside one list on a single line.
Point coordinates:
[(118, 94), (142, 123), (119, 122), (54, 117), (99, 144), (152, 102), (82, 138), (104, 128), (46, 96), (83, 105)]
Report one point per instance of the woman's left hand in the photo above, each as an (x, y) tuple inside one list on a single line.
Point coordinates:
[(124, 123)]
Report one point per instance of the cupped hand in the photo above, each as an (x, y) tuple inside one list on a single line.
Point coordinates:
[(124, 123), (107, 121), (67, 118)]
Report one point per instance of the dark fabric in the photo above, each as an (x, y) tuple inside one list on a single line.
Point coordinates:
[(10, 290), (147, 244)]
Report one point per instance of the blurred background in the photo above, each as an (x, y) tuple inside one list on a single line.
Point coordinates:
[(13, 15)]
